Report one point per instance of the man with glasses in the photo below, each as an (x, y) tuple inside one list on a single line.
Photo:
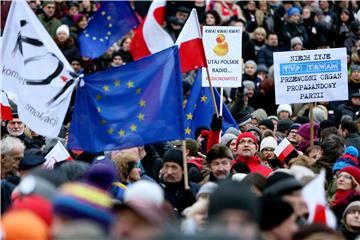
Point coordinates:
[(293, 136), (47, 18), (247, 152)]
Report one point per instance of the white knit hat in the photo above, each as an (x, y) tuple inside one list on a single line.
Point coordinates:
[(284, 108), (63, 28), (146, 191), (268, 142)]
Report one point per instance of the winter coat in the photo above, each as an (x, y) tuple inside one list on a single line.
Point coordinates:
[(50, 24), (254, 164), (195, 167), (291, 30), (265, 55), (353, 139)]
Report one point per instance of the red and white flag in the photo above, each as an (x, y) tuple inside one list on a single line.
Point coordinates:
[(6, 113), (285, 150), (191, 48), (150, 37), (315, 198), (57, 154)]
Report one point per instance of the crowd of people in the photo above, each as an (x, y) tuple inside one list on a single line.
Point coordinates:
[(237, 188)]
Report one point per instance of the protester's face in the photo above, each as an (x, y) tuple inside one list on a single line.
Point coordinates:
[(344, 17), (76, 66), (250, 92), (220, 168), (129, 225), (286, 229), (263, 6), (268, 153), (182, 16), (293, 136), (49, 10), (352, 218), (210, 20), (355, 101), (344, 181), (232, 146), (251, 5), (246, 126), (73, 10), (236, 223), (83, 23), (134, 174), (200, 219), (296, 200), (262, 128), (273, 40), (172, 172), (62, 37), (246, 147), (15, 127), (250, 69), (10, 162), (315, 154), (118, 61), (323, 5), (306, 13), (297, 47), (355, 75), (126, 44), (284, 115), (259, 36)]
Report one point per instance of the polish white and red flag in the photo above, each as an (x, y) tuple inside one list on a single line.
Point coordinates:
[(315, 198), (57, 154), (150, 37), (285, 151), (6, 113), (191, 48)]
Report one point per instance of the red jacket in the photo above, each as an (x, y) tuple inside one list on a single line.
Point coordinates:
[(253, 164)]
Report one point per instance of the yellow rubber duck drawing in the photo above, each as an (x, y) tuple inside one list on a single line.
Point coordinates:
[(222, 47)]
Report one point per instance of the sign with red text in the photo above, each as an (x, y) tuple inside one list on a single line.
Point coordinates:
[(311, 76), (223, 54)]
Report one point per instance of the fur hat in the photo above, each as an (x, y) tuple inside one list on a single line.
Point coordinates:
[(268, 142), (63, 28), (284, 108), (218, 151)]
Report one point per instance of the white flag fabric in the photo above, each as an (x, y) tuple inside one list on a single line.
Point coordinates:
[(35, 71), (315, 198), (57, 154)]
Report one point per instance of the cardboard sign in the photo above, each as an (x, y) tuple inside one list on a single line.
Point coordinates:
[(311, 76), (223, 54)]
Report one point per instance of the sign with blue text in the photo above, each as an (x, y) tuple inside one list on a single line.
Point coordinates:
[(311, 76)]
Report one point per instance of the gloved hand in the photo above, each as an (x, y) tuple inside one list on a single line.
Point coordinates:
[(216, 123)]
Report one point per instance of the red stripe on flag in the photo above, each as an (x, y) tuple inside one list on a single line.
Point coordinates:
[(192, 55), (320, 214), (138, 47), (6, 113), (159, 15), (287, 150)]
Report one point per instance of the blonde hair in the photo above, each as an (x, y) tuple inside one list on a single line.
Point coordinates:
[(260, 30)]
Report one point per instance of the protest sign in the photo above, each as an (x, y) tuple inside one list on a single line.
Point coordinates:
[(223, 54), (311, 76)]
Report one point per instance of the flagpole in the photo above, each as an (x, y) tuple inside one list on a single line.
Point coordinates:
[(186, 177), (311, 126), (221, 100), (212, 92)]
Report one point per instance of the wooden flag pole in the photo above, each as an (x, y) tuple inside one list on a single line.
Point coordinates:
[(221, 100), (212, 92), (311, 125), (186, 177)]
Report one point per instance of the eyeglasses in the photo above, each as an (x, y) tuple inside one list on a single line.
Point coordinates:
[(342, 175), (268, 150), (248, 142)]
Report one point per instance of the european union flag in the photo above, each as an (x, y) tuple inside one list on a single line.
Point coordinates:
[(199, 108), (128, 106), (110, 23)]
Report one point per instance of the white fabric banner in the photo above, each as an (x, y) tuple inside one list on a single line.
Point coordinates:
[(34, 69)]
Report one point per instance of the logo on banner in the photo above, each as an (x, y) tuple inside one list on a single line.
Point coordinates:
[(56, 69), (222, 47)]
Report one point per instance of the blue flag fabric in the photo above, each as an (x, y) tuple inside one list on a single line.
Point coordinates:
[(129, 106), (199, 109), (110, 23)]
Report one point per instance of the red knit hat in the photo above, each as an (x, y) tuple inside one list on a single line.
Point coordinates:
[(38, 205), (246, 135), (353, 171)]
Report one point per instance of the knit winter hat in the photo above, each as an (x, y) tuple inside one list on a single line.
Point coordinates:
[(268, 142), (36, 204), (284, 108), (242, 118), (23, 224), (284, 125), (63, 28), (353, 171), (274, 211), (262, 68), (248, 84), (292, 11), (35, 185), (218, 151), (88, 200), (294, 126), (193, 146), (294, 41), (267, 123), (145, 191), (232, 130), (207, 188), (281, 183), (226, 138), (304, 130), (245, 135), (30, 161), (231, 195), (174, 155), (352, 206), (259, 114), (349, 158)]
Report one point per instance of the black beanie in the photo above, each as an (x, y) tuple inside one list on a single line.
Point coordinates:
[(274, 211), (267, 123), (280, 183), (326, 124), (174, 155), (231, 195), (284, 125)]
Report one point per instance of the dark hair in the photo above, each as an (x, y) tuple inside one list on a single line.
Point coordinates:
[(256, 179), (327, 132), (271, 33), (349, 125), (333, 145), (216, 16)]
